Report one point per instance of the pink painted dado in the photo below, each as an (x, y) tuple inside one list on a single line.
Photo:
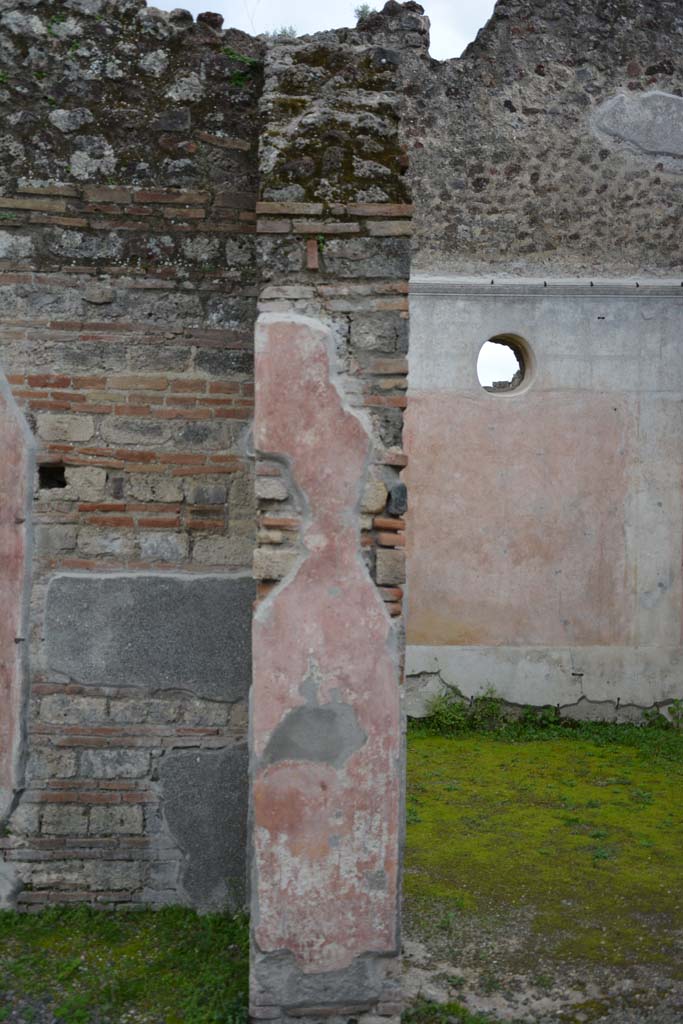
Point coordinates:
[(518, 520), (325, 720), (15, 461)]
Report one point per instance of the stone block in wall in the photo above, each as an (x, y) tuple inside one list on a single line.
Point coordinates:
[(116, 819), (273, 564), (64, 427), (155, 488), (122, 763), (53, 538), (158, 632), (25, 820), (271, 488), (374, 497), (391, 566), (50, 763), (164, 546), (84, 483), (376, 332), (228, 551), (94, 541), (64, 820), (69, 709), (95, 875)]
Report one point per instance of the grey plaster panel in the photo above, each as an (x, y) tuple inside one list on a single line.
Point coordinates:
[(162, 632), (561, 676), (653, 122), (281, 979), (328, 734), (204, 803), (580, 339)]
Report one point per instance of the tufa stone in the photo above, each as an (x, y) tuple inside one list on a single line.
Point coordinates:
[(211, 20), (398, 500)]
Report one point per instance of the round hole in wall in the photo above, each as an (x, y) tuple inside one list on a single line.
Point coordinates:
[(503, 363)]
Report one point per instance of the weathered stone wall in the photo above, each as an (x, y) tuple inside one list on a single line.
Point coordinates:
[(128, 175), (548, 148), (128, 289)]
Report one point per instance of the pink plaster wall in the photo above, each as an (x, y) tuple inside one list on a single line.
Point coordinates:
[(518, 518), (325, 837), (13, 501)]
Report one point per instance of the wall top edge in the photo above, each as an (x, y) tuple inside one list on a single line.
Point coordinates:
[(433, 284)]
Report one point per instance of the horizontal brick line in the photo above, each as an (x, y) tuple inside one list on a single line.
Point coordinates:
[(115, 731), (39, 897), (88, 797), (279, 209), (83, 784)]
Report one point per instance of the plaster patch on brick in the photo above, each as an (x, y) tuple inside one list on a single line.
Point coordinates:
[(160, 631), (328, 735), (203, 802), (651, 122), (16, 475)]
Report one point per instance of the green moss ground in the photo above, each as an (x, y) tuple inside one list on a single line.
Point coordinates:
[(171, 966), (587, 834)]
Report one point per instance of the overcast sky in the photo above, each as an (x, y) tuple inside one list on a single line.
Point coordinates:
[(454, 22)]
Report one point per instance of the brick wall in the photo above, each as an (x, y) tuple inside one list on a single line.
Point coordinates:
[(155, 189), (132, 255), (333, 231), (128, 178)]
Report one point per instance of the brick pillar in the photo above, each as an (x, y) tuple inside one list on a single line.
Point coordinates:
[(16, 467), (331, 346)]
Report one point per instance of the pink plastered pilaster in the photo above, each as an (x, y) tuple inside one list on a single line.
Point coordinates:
[(15, 470), (325, 713)]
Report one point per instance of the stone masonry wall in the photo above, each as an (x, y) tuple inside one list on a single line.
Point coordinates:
[(554, 145), (129, 276), (128, 177)]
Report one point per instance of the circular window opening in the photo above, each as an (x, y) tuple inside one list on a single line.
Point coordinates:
[(501, 365)]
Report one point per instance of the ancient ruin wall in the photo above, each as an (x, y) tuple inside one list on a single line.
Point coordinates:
[(128, 284), (545, 526), (128, 170), (128, 281), (554, 145)]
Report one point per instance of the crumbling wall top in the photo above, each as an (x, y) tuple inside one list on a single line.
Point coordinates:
[(511, 167)]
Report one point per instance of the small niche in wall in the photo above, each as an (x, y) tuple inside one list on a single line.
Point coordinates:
[(51, 475), (502, 364)]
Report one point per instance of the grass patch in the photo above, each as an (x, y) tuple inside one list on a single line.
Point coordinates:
[(424, 1012), (452, 715), (169, 966), (580, 822)]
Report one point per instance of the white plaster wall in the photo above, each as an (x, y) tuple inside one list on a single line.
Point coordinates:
[(546, 524)]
